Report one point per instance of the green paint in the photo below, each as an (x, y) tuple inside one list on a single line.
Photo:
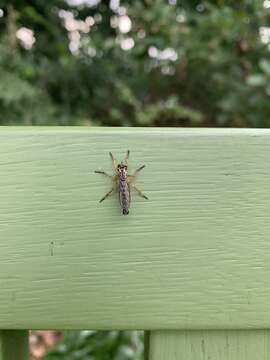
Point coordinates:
[(196, 255), (210, 345), (14, 345)]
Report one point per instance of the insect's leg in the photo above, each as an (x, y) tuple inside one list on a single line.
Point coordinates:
[(139, 191), (107, 195), (127, 157), (130, 178), (114, 161), (104, 173), (138, 170)]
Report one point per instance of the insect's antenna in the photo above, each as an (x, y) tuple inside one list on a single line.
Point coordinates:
[(127, 157), (113, 161)]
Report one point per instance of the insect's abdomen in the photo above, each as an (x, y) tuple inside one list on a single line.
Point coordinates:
[(124, 196)]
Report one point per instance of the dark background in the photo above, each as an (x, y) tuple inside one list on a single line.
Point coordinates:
[(135, 63)]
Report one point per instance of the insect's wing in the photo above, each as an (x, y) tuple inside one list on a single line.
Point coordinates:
[(120, 194), (124, 195), (129, 194)]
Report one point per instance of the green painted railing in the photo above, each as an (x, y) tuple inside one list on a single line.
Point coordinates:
[(191, 265)]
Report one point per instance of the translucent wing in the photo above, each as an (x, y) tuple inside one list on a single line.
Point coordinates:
[(124, 196)]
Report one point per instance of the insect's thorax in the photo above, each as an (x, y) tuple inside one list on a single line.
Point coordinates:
[(122, 174)]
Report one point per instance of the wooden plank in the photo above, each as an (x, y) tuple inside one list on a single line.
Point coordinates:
[(14, 345), (210, 345), (146, 345), (196, 255)]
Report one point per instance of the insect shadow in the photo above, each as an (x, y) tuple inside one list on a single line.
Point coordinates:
[(122, 182)]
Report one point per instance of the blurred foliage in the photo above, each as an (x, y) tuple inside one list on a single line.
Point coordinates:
[(135, 63), (101, 345)]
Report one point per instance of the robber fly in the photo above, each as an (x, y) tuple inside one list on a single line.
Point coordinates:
[(122, 182)]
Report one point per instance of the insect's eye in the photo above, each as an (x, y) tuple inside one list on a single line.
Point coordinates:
[(118, 166)]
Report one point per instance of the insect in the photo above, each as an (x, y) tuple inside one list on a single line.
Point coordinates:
[(122, 182)]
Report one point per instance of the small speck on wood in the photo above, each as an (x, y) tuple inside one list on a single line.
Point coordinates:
[(51, 248)]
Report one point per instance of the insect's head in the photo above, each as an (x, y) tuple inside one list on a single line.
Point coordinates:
[(122, 168)]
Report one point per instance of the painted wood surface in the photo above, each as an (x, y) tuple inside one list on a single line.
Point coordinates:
[(196, 255), (14, 345), (210, 345)]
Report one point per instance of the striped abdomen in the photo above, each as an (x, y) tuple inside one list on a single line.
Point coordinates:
[(124, 195)]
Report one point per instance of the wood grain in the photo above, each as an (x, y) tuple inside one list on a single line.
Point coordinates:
[(210, 345), (195, 256)]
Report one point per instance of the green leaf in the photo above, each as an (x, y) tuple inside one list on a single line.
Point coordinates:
[(256, 80), (265, 66)]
